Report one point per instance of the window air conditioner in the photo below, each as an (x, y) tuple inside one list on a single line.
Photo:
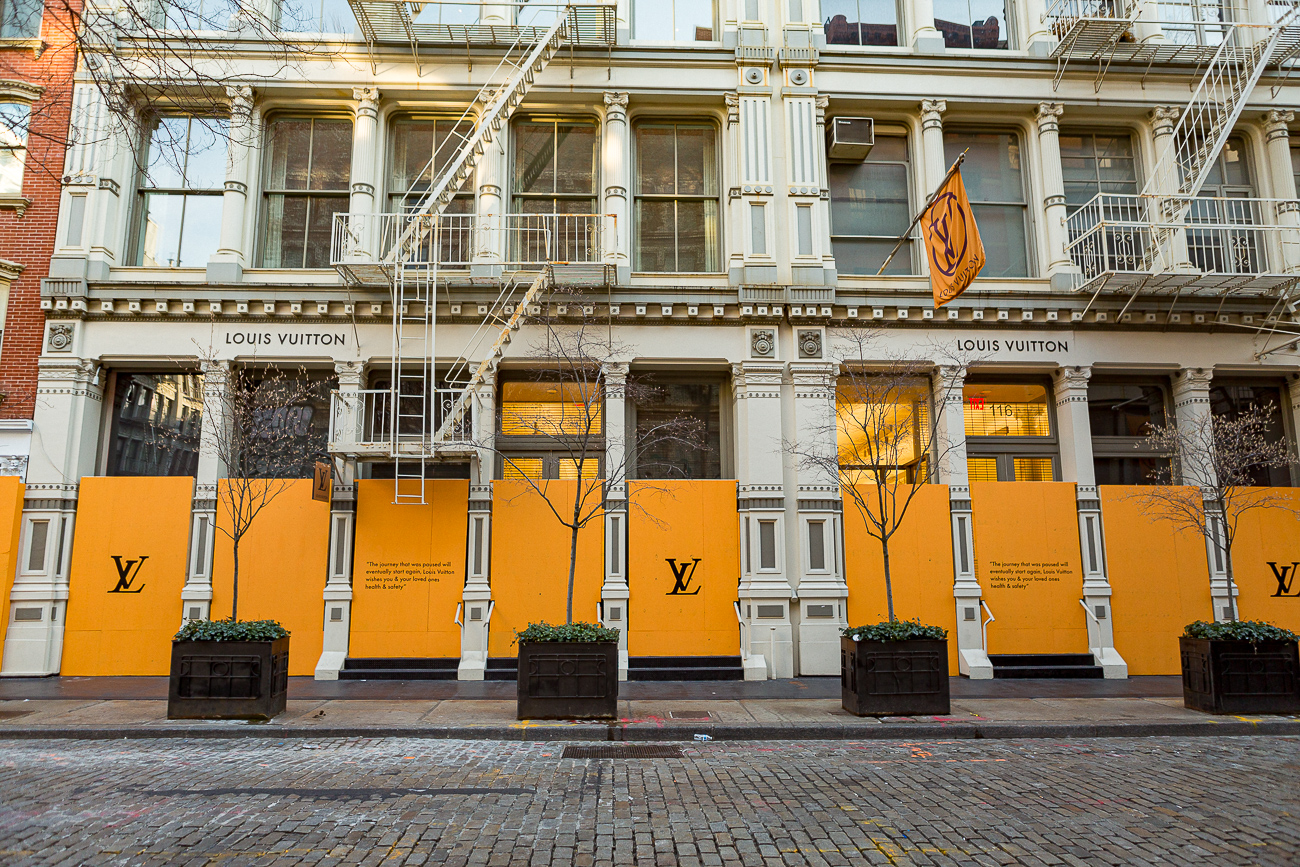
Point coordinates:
[(850, 139)]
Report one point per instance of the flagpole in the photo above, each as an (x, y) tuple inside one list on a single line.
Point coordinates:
[(928, 202)]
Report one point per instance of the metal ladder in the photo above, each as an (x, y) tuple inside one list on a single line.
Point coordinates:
[(414, 264)]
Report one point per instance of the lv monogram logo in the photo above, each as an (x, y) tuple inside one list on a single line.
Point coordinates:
[(1285, 577), (682, 574), (127, 572)]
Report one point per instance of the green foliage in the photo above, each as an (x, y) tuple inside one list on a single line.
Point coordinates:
[(586, 632), (1238, 630), (899, 630), (232, 630)]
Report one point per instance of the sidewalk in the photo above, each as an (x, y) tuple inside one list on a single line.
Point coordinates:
[(807, 708)]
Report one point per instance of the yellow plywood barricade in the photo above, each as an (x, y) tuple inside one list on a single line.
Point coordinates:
[(1028, 565), (530, 561), (128, 568), (282, 564), (11, 513), (683, 567), (1265, 560), (1159, 581), (920, 566), (408, 570)]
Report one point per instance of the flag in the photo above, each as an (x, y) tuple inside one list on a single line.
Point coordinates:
[(952, 241)]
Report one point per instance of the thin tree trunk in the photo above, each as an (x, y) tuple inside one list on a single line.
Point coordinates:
[(889, 588), (573, 563), (234, 595), (1227, 556)]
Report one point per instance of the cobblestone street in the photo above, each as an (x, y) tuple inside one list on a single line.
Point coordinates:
[(245, 801)]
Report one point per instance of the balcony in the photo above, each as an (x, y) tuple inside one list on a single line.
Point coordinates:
[(1201, 246), (366, 248), (362, 424)]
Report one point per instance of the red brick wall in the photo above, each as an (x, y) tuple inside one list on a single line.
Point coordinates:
[(29, 240)]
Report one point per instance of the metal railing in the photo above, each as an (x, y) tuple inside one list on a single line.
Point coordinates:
[(1135, 233), (459, 240), (364, 420)]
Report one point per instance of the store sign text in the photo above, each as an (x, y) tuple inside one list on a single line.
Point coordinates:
[(1285, 576), (682, 574), (127, 572), (1013, 347), (269, 338)]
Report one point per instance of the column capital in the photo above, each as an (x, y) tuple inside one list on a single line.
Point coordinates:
[(241, 102), (1072, 384), (350, 373), (822, 102), (368, 97), (616, 106), (947, 376), (216, 372), (932, 113), (733, 108), (1192, 385), (615, 372), (1048, 116), (1163, 118), (1275, 123)]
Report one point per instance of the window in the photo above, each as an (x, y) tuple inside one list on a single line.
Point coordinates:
[(551, 430), (1009, 432), (180, 192), (677, 198), (881, 427), (291, 411), (1119, 411), (1095, 163), (554, 173), (995, 184), (973, 23), (1227, 208), (20, 19), (157, 423), (448, 14), (15, 117), (1228, 398), (667, 417), (860, 22), (870, 208), (1194, 22), (421, 149), (673, 20), (306, 185), (316, 16), (197, 14)]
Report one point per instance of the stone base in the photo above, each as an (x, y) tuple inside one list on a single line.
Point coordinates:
[(329, 665)]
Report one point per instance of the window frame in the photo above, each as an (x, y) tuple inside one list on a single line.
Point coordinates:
[(1010, 22), (112, 432), (267, 192), (1105, 447), (515, 199), (24, 39), (1230, 380), (715, 29), (897, 131), (468, 191), (1006, 449), (137, 226), (23, 94), (540, 446), (701, 378), (1026, 191), (1093, 132), (720, 233)]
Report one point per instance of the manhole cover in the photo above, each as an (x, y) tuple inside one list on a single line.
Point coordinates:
[(689, 714), (13, 714), (621, 751)]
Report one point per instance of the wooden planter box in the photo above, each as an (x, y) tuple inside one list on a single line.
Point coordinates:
[(228, 679), (1240, 676), (894, 678), (568, 680)]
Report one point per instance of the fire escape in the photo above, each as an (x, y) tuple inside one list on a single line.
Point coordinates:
[(1168, 240), (426, 412)]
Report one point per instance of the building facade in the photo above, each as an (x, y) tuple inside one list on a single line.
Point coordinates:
[(717, 183)]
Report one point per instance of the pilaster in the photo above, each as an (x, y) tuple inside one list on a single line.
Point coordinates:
[(196, 595), (227, 264), (1191, 392), (477, 595), (1059, 266), (615, 592), (343, 510), (364, 133), (616, 170), (1277, 138)]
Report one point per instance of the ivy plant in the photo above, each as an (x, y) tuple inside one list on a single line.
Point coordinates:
[(1253, 631), (583, 632), (232, 630), (897, 630)]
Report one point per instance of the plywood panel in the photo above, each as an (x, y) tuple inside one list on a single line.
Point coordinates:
[(1266, 557), (408, 570), (130, 548), (683, 553), (11, 513)]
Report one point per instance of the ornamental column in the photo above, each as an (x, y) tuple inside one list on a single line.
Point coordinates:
[(196, 595), (615, 593), (364, 135), (616, 169), (946, 384), (1075, 432), (925, 38), (1278, 140), (1163, 118), (490, 235), (933, 163), (227, 264), (1059, 265), (343, 512), (477, 595), (1192, 413)]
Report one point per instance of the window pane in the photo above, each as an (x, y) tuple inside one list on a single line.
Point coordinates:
[(290, 142), (841, 22), (1124, 410), (693, 20), (20, 19), (1128, 471), (656, 248), (316, 16), (697, 173), (869, 199), (323, 209), (1033, 469), (656, 162), (550, 409), (992, 172), (286, 231), (982, 469), (652, 19), (167, 145), (662, 411), (1006, 410), (331, 155), (880, 425), (1229, 400), (1002, 229), (534, 158), (575, 158), (448, 13), (697, 223), (858, 256), (161, 239), (567, 468), (201, 234), (205, 164), (521, 468), (157, 421)]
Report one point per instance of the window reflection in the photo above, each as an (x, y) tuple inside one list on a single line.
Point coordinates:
[(673, 20), (860, 22), (972, 23), (157, 422), (181, 191), (307, 184)]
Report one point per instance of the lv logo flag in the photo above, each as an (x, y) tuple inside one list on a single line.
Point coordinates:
[(952, 241)]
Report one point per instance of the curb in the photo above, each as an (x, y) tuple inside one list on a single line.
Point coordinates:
[(542, 733)]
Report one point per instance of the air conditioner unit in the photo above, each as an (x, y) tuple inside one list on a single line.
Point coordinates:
[(850, 139)]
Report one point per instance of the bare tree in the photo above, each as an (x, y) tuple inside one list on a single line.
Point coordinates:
[(262, 435), (1212, 476), (570, 359), (888, 424)]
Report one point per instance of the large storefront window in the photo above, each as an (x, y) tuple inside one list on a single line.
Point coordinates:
[(860, 22), (676, 198), (289, 413), (307, 179), (870, 209), (181, 192), (1121, 412), (882, 428), (678, 430), (1009, 432), (995, 182), (1229, 398), (551, 430), (973, 23), (157, 423)]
